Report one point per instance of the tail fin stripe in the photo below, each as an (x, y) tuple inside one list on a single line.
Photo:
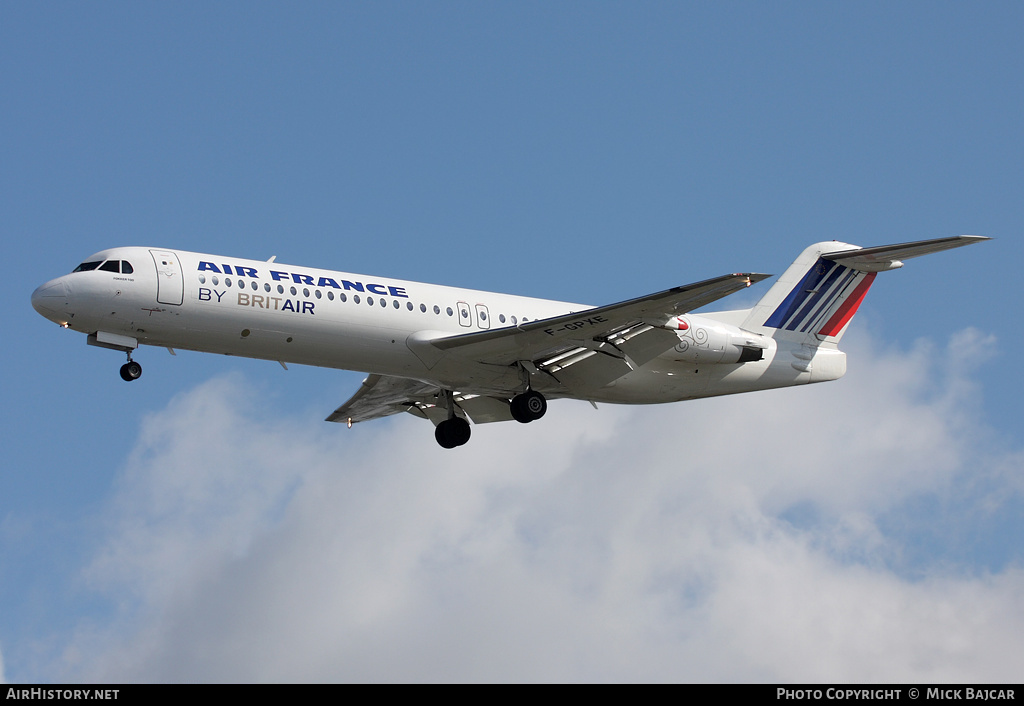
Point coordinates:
[(812, 296), (848, 307), (795, 297), (815, 297), (849, 281), (836, 285)]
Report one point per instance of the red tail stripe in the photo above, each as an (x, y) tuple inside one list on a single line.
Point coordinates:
[(848, 308)]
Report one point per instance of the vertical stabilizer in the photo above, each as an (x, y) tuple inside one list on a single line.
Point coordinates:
[(814, 301)]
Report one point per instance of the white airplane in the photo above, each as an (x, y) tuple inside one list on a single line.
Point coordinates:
[(448, 354)]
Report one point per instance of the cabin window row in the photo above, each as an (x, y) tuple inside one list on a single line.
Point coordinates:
[(342, 297)]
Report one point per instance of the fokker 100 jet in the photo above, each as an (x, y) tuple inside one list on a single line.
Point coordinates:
[(452, 355)]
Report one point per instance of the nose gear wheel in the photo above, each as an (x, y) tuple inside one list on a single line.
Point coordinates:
[(131, 371)]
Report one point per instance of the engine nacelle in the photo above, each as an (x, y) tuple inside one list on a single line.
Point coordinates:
[(703, 340)]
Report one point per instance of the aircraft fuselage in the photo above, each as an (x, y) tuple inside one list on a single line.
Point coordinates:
[(310, 316)]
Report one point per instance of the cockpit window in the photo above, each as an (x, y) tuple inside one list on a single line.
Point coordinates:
[(111, 266), (126, 267), (86, 266)]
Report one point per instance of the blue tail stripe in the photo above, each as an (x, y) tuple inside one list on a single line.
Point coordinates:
[(793, 300), (822, 291)]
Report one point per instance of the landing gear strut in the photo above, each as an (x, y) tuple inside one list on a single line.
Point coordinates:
[(131, 370), (453, 431), (528, 406)]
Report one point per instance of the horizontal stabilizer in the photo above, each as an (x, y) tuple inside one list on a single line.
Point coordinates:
[(889, 257)]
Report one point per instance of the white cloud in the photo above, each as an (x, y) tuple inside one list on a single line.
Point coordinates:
[(624, 544)]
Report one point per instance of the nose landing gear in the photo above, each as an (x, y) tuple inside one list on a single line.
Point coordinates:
[(131, 370)]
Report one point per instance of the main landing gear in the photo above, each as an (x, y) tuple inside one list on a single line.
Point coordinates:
[(131, 370), (452, 432), (528, 406), (455, 430)]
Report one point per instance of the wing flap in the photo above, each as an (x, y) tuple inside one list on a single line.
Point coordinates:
[(483, 409), (589, 370), (381, 396)]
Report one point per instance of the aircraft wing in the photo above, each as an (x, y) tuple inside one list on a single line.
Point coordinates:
[(590, 348), (581, 350), (537, 338)]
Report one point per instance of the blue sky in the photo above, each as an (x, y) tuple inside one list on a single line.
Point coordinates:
[(578, 151)]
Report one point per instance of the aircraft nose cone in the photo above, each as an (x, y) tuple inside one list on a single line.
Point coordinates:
[(51, 300)]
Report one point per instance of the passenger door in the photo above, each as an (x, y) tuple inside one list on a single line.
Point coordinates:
[(170, 288)]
